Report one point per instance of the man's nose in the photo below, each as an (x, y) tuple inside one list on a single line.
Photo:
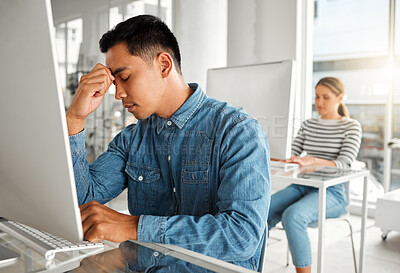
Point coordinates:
[(119, 92)]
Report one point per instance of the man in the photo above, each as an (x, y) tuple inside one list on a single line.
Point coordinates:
[(196, 169)]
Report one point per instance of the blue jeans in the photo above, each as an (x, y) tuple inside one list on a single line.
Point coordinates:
[(297, 207)]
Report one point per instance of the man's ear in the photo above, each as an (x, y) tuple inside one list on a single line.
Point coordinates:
[(165, 63)]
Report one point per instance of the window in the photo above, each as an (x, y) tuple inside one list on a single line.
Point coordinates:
[(133, 8), (61, 53), (68, 44), (351, 42), (348, 29)]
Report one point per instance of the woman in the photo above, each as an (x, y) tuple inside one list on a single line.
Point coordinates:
[(332, 139)]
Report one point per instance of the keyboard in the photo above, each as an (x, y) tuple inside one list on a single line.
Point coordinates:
[(283, 165), (45, 243)]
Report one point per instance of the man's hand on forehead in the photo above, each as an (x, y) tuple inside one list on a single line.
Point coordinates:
[(89, 95), (100, 67)]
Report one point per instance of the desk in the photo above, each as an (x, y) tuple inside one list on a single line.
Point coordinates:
[(114, 257), (322, 178)]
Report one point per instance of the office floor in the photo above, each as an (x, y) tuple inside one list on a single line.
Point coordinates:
[(381, 256)]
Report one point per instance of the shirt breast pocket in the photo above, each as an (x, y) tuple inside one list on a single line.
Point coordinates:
[(196, 153), (143, 182), (195, 192)]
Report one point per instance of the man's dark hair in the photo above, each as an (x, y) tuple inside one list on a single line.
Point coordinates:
[(145, 36)]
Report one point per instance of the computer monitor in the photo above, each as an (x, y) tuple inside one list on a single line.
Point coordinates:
[(37, 185), (265, 91)]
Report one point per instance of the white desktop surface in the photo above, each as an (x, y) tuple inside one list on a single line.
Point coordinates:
[(108, 259), (323, 177)]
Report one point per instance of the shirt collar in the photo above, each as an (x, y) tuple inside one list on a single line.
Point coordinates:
[(186, 111)]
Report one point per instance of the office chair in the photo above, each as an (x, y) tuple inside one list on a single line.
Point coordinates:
[(344, 217)]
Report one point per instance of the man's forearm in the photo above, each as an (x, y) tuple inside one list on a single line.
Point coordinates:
[(75, 125)]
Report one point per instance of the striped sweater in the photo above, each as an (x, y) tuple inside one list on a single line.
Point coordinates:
[(336, 140)]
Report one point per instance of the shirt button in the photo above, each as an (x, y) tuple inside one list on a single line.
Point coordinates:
[(169, 158), (140, 178), (155, 254), (174, 189), (169, 123)]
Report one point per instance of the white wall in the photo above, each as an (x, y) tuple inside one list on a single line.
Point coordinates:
[(261, 31), (201, 30), (242, 33), (269, 30)]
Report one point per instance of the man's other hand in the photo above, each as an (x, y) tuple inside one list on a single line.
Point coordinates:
[(89, 95), (102, 223)]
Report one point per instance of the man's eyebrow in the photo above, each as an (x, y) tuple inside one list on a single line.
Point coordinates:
[(118, 70)]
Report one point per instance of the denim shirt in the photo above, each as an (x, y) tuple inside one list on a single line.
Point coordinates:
[(199, 180)]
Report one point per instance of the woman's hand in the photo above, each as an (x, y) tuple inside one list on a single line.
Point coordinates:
[(310, 160), (302, 161)]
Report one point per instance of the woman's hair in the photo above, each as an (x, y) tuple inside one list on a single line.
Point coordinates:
[(337, 87)]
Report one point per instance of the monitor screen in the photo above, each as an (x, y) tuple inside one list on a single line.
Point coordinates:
[(37, 185), (265, 91)]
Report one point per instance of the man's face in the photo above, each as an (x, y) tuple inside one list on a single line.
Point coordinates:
[(138, 84)]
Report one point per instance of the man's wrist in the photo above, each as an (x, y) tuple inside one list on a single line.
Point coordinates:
[(135, 221), (75, 125)]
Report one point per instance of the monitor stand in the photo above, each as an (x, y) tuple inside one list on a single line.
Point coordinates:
[(7, 256)]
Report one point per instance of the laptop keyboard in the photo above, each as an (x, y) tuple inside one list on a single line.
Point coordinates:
[(44, 242)]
